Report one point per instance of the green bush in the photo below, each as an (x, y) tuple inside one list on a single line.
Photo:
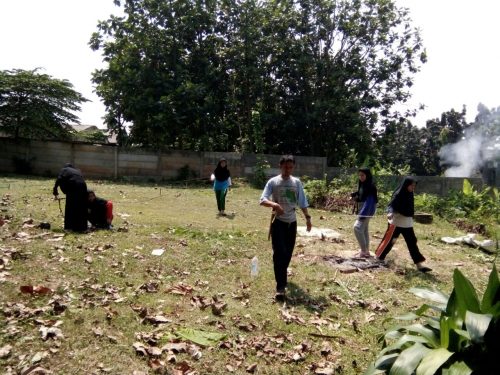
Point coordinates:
[(462, 339), (260, 176)]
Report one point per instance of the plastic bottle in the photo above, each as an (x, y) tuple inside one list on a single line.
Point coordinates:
[(254, 271)]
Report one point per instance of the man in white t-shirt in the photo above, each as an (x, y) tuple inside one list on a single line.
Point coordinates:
[(283, 193)]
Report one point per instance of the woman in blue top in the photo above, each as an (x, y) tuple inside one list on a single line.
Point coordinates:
[(222, 182), (367, 196)]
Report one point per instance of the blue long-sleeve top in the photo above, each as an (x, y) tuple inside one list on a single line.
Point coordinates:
[(369, 207)]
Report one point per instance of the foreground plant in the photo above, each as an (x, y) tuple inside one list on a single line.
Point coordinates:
[(463, 339)]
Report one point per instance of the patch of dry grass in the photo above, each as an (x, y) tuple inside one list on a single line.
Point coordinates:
[(115, 308)]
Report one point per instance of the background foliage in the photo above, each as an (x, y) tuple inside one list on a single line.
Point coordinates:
[(34, 105), (317, 74)]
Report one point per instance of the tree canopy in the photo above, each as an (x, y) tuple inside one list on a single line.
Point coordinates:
[(34, 105), (310, 77)]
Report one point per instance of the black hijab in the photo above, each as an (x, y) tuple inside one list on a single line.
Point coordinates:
[(367, 187), (221, 173), (402, 200)]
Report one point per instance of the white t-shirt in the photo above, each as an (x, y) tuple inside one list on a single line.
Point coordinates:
[(288, 193)]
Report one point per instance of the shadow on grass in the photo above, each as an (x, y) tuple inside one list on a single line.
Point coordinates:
[(297, 296), (230, 216), (411, 274)]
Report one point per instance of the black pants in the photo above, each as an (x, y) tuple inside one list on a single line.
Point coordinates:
[(75, 212), (283, 240), (390, 238)]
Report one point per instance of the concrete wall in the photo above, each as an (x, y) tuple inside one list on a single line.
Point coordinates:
[(107, 161)]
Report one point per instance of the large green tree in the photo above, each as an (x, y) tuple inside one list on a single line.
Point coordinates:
[(34, 105), (309, 77)]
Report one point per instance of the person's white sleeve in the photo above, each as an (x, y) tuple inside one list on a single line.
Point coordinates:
[(268, 191)]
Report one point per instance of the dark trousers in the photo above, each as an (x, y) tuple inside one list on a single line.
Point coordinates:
[(75, 212), (283, 240), (220, 195), (390, 238)]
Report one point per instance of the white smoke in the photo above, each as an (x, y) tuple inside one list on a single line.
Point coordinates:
[(477, 149), (465, 157)]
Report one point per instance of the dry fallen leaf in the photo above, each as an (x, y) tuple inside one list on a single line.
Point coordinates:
[(181, 289), (252, 368), (140, 348), (39, 289), (5, 351), (51, 332)]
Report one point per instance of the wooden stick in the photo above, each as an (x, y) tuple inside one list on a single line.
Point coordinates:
[(273, 216)]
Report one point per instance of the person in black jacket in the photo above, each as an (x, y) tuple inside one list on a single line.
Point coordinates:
[(72, 184), (100, 211), (401, 209)]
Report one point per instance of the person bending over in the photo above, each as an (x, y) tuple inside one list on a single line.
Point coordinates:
[(100, 211)]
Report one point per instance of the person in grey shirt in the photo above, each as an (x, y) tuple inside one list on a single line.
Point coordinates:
[(283, 193)]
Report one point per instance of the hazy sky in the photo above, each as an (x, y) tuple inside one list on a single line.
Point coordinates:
[(461, 38)]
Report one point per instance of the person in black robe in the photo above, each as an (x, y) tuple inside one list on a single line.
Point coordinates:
[(100, 211), (72, 184), (401, 209)]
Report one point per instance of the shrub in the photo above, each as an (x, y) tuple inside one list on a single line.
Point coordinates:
[(185, 173), (463, 339), (260, 172)]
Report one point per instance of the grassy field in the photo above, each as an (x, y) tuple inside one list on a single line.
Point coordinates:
[(101, 303)]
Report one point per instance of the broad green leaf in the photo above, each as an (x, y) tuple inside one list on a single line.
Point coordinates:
[(495, 310), (202, 338), (457, 368), (385, 362), (433, 322), (371, 370), (422, 309), (446, 325), (453, 310), (408, 316), (406, 339), (462, 333), (393, 334), (433, 295), (408, 360), (492, 293), (457, 339), (466, 294), (431, 336), (432, 361), (477, 325)]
